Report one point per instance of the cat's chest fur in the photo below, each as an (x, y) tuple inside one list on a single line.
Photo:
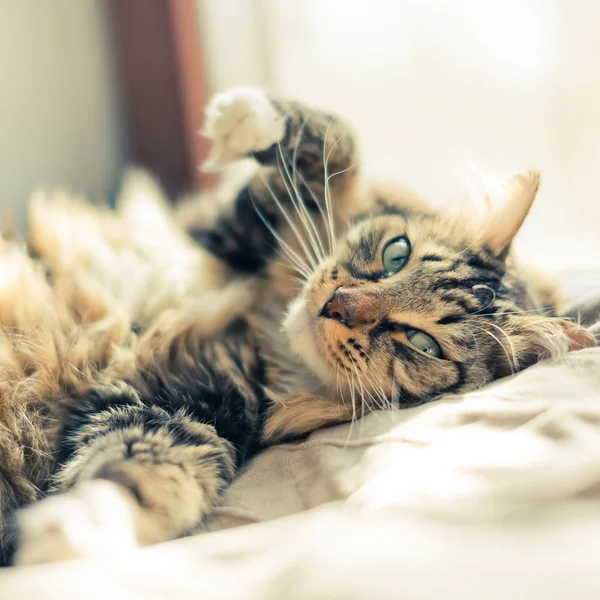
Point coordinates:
[(286, 375)]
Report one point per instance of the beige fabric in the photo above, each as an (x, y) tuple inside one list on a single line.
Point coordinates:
[(490, 495), (530, 438)]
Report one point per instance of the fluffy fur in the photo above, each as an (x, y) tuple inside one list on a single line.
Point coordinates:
[(143, 363)]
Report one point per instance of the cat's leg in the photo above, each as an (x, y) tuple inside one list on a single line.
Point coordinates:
[(131, 474), (310, 162)]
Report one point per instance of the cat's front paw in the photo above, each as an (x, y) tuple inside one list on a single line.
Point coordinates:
[(239, 122), (92, 521)]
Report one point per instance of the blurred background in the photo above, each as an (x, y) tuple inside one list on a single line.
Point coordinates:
[(90, 86)]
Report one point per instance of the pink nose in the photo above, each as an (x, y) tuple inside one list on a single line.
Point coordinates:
[(335, 308)]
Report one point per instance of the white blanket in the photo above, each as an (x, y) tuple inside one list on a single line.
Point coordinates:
[(492, 495)]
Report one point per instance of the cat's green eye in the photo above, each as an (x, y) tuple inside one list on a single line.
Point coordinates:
[(394, 255), (425, 343)]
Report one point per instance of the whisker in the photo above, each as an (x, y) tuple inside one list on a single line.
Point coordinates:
[(328, 207), (512, 347), (362, 387), (296, 269), (339, 388), (293, 255), (328, 198), (382, 403), (297, 190), (301, 281), (317, 201), (541, 311), (296, 198), (377, 386), (381, 406), (508, 358), (474, 359), (289, 221), (482, 286), (297, 264), (396, 393), (352, 400), (380, 389)]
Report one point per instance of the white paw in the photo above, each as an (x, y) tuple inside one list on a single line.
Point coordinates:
[(240, 121), (94, 520)]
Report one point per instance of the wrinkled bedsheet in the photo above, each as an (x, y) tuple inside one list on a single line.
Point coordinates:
[(493, 494)]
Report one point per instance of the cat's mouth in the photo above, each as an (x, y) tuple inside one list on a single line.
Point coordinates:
[(316, 330)]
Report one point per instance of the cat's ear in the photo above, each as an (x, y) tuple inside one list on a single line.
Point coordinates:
[(535, 337), (507, 212)]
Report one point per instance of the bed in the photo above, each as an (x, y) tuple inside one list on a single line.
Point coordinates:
[(486, 495)]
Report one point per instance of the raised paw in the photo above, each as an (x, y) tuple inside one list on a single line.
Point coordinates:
[(241, 121), (94, 520)]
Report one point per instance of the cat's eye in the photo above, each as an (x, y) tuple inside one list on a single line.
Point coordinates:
[(394, 255), (425, 343)]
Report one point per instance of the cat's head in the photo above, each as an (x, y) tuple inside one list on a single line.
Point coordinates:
[(414, 305)]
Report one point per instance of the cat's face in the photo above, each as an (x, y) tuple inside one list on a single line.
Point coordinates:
[(411, 307)]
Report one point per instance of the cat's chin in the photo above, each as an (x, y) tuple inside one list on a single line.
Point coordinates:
[(300, 329)]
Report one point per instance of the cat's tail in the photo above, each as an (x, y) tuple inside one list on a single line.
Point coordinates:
[(55, 339)]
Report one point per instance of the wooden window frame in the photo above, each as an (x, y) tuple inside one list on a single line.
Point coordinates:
[(164, 84)]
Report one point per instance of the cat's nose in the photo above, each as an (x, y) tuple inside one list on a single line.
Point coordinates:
[(337, 308)]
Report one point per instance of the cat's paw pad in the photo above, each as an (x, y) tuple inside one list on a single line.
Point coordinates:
[(92, 521), (241, 121)]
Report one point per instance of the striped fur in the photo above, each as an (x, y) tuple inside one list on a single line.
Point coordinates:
[(149, 362)]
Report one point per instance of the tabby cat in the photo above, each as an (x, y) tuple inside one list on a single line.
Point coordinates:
[(145, 355)]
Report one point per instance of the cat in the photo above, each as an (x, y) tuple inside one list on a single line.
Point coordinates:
[(146, 355)]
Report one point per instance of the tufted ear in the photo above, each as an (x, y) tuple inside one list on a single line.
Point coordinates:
[(535, 337), (578, 336), (507, 213)]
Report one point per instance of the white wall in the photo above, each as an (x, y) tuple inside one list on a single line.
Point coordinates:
[(60, 122), (432, 85), (233, 40)]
